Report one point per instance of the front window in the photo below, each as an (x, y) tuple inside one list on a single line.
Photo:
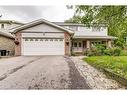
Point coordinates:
[(95, 43), (75, 44), (80, 45), (96, 29)]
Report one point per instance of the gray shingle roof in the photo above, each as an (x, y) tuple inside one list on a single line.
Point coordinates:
[(76, 24)]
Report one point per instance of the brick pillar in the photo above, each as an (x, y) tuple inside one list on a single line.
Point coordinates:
[(67, 43), (18, 46), (109, 44)]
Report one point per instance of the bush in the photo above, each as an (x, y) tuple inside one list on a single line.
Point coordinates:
[(107, 52), (100, 50), (90, 53), (123, 53), (117, 51)]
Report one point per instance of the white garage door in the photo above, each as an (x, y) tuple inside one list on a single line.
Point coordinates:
[(40, 46)]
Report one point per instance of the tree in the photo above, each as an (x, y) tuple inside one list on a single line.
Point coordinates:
[(114, 16), (75, 19)]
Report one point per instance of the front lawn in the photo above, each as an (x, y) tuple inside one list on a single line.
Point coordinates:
[(117, 64)]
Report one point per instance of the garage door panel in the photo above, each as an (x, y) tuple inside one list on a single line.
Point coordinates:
[(43, 47)]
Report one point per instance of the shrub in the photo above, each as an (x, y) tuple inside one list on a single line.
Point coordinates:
[(123, 53), (107, 52), (90, 53), (117, 51), (100, 50)]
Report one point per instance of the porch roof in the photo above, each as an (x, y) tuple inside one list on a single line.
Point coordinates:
[(94, 37)]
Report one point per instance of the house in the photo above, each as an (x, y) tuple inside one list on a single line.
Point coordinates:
[(41, 37), (7, 46)]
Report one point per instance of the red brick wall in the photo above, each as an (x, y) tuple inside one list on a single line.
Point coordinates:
[(18, 47), (67, 46)]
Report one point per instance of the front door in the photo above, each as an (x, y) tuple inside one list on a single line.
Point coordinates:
[(77, 46)]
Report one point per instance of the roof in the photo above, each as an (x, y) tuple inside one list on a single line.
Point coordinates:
[(11, 21), (39, 21), (95, 37), (6, 34), (63, 23), (77, 24)]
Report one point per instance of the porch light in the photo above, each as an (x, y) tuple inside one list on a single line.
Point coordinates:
[(67, 43), (16, 42)]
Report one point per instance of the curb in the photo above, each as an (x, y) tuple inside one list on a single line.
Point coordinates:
[(115, 76)]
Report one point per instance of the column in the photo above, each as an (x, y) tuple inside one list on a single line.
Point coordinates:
[(109, 43), (88, 44)]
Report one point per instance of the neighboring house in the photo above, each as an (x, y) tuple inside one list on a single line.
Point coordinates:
[(7, 46), (41, 37), (6, 25)]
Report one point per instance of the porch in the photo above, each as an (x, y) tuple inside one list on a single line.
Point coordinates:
[(81, 45)]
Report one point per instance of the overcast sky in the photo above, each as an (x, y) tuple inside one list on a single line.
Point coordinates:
[(29, 13)]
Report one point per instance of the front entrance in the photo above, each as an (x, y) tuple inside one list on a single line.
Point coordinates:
[(77, 46)]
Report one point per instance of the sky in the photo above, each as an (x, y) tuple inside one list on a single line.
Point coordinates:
[(30, 13)]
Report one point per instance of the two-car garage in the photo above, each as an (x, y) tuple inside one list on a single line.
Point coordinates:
[(43, 46)]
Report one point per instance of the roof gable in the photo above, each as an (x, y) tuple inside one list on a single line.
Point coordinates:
[(38, 22), (42, 27)]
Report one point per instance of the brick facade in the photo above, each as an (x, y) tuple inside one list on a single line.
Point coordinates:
[(67, 43), (7, 43), (18, 46)]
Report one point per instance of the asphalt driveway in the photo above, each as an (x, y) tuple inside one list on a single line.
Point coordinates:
[(40, 72)]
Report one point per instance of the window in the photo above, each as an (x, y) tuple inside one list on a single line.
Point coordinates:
[(51, 39), (75, 44), (26, 39), (41, 39), (61, 39), (46, 39), (80, 45), (96, 29), (56, 40), (2, 25), (31, 39), (36, 39), (94, 43)]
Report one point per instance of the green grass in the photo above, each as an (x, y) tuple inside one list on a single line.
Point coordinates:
[(117, 64)]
